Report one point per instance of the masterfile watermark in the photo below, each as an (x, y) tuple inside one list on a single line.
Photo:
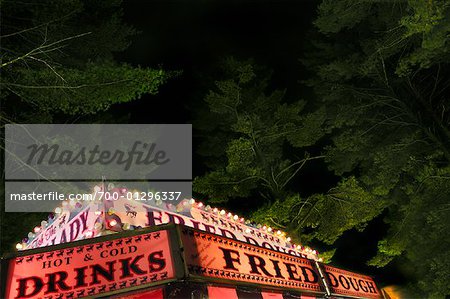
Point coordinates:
[(89, 152), (43, 162), (97, 195), (46, 196), (141, 153)]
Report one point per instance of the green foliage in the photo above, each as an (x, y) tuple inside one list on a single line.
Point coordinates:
[(252, 139), (327, 256), (323, 216), (429, 23), (57, 59), (244, 134), (419, 230), (88, 91), (381, 70), (335, 16)]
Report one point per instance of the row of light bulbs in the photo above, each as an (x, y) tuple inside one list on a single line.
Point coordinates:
[(250, 224), (185, 204)]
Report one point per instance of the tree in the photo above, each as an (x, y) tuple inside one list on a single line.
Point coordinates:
[(57, 58), (57, 65), (255, 141), (381, 69), (245, 132)]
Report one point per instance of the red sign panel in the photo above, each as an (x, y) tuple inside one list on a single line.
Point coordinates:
[(213, 256), (92, 269), (348, 283)]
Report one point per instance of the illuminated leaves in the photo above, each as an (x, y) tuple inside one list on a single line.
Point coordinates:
[(256, 126), (87, 91), (428, 23), (338, 15), (379, 71), (58, 60)]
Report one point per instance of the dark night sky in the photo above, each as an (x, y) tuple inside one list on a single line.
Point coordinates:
[(193, 36)]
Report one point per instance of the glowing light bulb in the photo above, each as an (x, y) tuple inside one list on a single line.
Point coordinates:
[(222, 212), (299, 247), (37, 229), (19, 246), (200, 205), (321, 260), (113, 223), (98, 212), (269, 229), (248, 230), (192, 201), (288, 239), (236, 217), (279, 232), (58, 210)]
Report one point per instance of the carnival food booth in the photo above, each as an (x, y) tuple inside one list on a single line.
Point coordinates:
[(127, 248)]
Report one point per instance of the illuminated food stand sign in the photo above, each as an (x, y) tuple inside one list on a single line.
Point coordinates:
[(129, 249), (213, 256), (346, 283), (132, 265), (91, 269), (92, 219)]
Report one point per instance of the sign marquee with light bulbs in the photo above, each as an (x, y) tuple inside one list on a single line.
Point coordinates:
[(160, 242), (76, 221)]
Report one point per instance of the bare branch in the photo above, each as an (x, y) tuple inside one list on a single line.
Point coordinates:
[(43, 48), (64, 86), (37, 26), (298, 162), (49, 66)]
